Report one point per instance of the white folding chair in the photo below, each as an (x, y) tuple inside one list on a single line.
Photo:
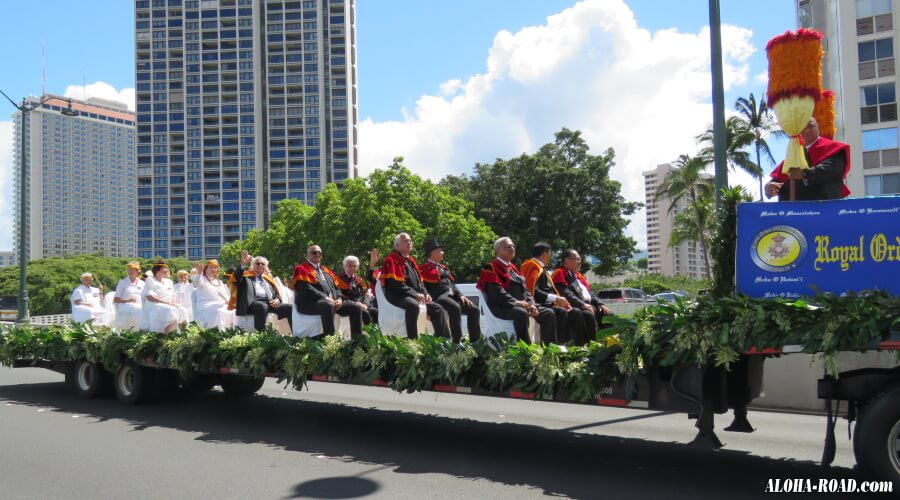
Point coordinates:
[(392, 319), (492, 325)]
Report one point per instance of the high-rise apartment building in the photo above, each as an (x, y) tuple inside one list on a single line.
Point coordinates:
[(684, 259), (240, 104), (859, 65), (80, 178), (7, 258)]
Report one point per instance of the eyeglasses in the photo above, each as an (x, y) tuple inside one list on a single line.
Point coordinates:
[(260, 264), (316, 252)]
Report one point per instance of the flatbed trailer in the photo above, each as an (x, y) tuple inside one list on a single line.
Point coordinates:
[(872, 395)]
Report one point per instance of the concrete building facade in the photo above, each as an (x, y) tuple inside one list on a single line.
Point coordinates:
[(7, 259), (859, 66), (80, 178), (684, 259), (240, 104)]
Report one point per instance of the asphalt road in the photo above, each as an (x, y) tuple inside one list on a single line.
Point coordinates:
[(336, 441)]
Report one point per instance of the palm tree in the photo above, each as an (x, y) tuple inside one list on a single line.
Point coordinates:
[(760, 123), (695, 223), (737, 137), (687, 182)]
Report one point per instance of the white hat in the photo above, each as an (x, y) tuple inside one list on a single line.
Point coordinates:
[(87, 275)]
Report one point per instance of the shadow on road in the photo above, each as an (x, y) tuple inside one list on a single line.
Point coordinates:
[(552, 461)]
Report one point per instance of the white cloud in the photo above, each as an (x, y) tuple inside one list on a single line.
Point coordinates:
[(6, 185), (762, 78), (102, 90), (7, 152), (590, 68)]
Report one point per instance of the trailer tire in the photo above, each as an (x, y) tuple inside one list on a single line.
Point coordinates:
[(133, 383), (876, 442), (237, 385), (91, 380)]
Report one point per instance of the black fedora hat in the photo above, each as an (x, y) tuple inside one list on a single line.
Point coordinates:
[(430, 245)]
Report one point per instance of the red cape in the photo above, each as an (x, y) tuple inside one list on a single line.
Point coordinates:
[(496, 272), (307, 273), (821, 149), (394, 268), (431, 272), (560, 279)]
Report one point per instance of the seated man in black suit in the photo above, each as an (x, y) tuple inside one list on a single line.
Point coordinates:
[(575, 288), (257, 293), (508, 296), (403, 288), (441, 285), (316, 292)]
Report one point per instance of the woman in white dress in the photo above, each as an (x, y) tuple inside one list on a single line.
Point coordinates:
[(161, 311), (87, 302), (211, 297), (128, 299)]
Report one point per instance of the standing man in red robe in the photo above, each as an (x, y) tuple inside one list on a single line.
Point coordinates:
[(825, 179)]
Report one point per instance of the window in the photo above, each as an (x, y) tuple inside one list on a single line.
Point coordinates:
[(879, 103), (882, 184), (880, 148), (876, 58), (873, 16)]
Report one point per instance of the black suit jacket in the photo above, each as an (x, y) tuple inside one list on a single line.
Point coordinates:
[(245, 295), (306, 294)]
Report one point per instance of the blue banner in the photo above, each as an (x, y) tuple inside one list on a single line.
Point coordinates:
[(794, 249)]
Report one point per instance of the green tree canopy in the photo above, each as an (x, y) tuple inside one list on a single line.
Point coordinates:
[(561, 194), (50, 281), (367, 213)]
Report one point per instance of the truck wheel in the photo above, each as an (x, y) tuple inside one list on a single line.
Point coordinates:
[(133, 383), (236, 385), (91, 380), (877, 440)]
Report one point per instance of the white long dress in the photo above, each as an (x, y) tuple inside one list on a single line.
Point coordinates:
[(184, 297), (211, 301), (158, 316), (91, 306), (128, 314)]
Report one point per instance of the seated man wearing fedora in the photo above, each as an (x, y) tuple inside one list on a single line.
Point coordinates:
[(441, 285)]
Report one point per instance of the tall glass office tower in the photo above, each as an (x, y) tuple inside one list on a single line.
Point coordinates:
[(240, 104)]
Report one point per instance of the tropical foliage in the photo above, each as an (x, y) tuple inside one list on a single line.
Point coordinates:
[(561, 194), (687, 185), (757, 120), (50, 281), (497, 365), (367, 213)]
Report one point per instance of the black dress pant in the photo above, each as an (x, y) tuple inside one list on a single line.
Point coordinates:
[(411, 308), (561, 331), (260, 310), (370, 315), (546, 319), (592, 323), (326, 312), (455, 310)]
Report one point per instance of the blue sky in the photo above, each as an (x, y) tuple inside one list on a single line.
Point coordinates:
[(447, 84)]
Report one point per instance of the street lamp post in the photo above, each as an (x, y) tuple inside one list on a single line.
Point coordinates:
[(25, 108)]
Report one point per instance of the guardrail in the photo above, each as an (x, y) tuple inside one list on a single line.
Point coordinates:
[(51, 319)]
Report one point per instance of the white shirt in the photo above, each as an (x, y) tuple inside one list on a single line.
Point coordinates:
[(89, 296), (162, 290), (127, 290)]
